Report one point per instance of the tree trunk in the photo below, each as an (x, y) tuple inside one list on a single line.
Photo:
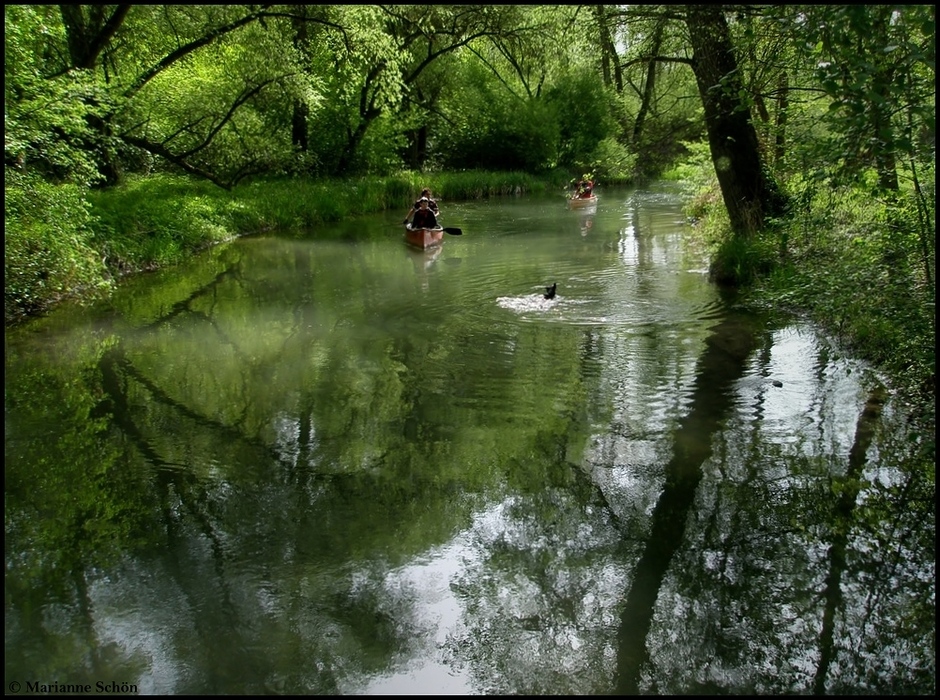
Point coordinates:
[(298, 132), (649, 90), (749, 193), (87, 36), (609, 57), (883, 137), (88, 29), (299, 128)]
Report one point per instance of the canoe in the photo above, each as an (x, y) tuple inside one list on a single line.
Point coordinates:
[(581, 202), (423, 237)]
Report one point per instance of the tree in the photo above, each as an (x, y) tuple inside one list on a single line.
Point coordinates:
[(747, 188), (877, 65), (610, 61), (391, 62), (657, 106), (529, 97), (90, 31), (649, 86), (127, 70)]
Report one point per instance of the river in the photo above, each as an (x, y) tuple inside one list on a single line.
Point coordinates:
[(322, 462)]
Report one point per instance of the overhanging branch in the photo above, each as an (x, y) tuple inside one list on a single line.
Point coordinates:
[(160, 150)]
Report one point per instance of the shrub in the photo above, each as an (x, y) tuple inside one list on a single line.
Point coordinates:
[(47, 249)]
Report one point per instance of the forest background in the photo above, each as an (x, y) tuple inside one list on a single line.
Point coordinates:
[(136, 135)]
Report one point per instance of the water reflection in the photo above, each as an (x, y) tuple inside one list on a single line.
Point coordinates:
[(328, 464), (722, 363)]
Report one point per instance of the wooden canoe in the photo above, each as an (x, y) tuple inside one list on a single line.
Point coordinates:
[(581, 202), (423, 237)]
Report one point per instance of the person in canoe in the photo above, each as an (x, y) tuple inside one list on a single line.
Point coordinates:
[(584, 188), (424, 217), (432, 204)]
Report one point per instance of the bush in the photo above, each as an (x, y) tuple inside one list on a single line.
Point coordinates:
[(583, 110), (47, 245)]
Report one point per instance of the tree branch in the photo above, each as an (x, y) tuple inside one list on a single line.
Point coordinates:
[(244, 97), (183, 51), (160, 150)]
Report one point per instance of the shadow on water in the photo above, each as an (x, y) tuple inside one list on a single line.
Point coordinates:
[(723, 362)]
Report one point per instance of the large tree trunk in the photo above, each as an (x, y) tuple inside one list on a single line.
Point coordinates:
[(749, 194)]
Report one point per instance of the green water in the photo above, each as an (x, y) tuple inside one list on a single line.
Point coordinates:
[(322, 462)]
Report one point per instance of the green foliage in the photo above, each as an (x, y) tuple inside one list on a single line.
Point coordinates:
[(380, 151), (48, 250), (697, 174), (584, 117), (876, 65), (740, 261), (862, 267), (671, 112), (495, 131), (613, 162), (496, 127), (857, 264), (227, 105), (46, 118), (159, 220)]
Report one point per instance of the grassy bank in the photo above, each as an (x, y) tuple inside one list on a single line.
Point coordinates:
[(861, 266), (159, 220)]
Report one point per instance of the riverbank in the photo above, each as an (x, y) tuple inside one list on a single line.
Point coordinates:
[(861, 267)]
